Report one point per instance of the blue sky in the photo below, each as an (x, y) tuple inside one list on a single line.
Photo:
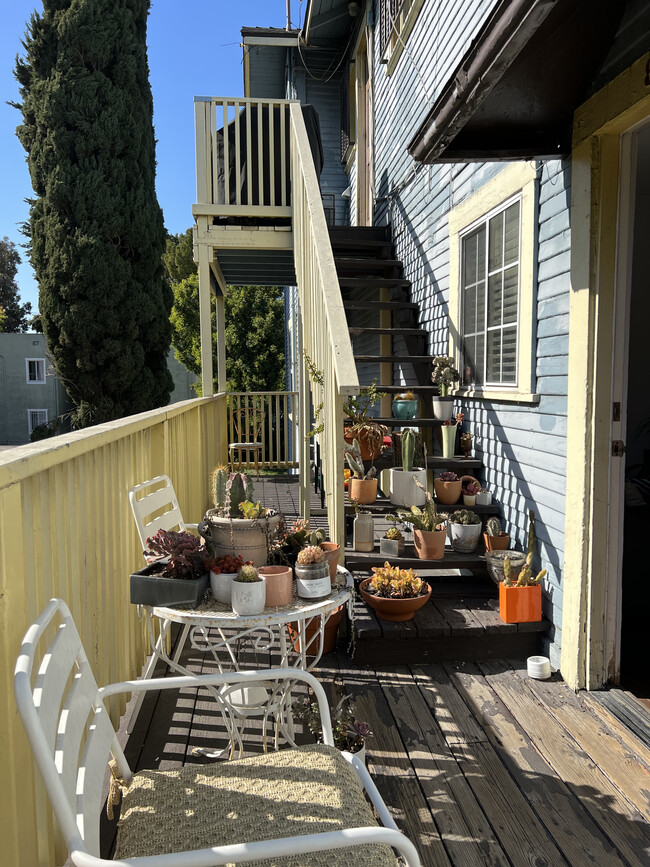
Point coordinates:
[(193, 50)]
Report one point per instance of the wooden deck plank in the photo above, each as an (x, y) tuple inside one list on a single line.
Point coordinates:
[(462, 825), (458, 616), (485, 613), (627, 736), (621, 766), (447, 705), (565, 818), (615, 815)]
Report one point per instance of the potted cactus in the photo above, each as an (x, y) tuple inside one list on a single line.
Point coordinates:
[(444, 375), (394, 593), (470, 490), (405, 406), (237, 524), (429, 528), (362, 487), (464, 529), (494, 537), (408, 483), (391, 543), (520, 596), (177, 576), (312, 573), (248, 591)]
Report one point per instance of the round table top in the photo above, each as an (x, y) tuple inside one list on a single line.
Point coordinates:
[(213, 613)]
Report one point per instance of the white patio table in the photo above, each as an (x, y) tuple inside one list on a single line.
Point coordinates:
[(214, 628)]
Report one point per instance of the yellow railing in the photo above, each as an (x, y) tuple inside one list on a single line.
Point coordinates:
[(66, 530), (325, 335), (270, 418)]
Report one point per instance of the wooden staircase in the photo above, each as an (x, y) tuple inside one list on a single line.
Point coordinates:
[(461, 620)]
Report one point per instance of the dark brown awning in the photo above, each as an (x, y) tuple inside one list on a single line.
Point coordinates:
[(514, 93)]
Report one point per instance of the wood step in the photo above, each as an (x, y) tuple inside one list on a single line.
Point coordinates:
[(383, 506), (458, 464), (398, 389), (367, 266), (396, 332), (359, 233), (358, 560), (411, 422), (380, 305), (381, 359), (373, 248), (373, 282)]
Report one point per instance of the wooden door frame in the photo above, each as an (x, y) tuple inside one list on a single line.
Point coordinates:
[(591, 599)]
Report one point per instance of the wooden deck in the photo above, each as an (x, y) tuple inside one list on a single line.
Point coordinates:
[(479, 764)]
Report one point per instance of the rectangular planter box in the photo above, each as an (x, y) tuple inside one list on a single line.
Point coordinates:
[(391, 547), (520, 604), (150, 589)]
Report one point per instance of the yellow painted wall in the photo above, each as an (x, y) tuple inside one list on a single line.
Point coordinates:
[(66, 530)]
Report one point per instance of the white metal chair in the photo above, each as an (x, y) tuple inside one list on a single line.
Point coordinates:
[(305, 800), (155, 507)]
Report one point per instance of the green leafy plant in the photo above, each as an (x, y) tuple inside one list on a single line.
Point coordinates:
[(318, 378), (357, 409), (426, 518), (355, 461)]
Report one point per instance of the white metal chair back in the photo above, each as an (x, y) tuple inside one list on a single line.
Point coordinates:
[(155, 507), (68, 727)]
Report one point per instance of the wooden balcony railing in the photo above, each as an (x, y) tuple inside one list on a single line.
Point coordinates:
[(66, 530), (270, 418)]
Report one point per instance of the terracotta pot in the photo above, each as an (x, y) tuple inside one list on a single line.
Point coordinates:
[(395, 610), (369, 451), (311, 630), (430, 544), (447, 493), (520, 604), (496, 543), (364, 491), (279, 585), (332, 554)]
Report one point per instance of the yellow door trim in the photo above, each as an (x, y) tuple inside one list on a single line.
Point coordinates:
[(598, 126)]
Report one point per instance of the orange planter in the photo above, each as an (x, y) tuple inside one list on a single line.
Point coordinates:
[(332, 554), (363, 491), (496, 543), (430, 545), (520, 604), (311, 633)]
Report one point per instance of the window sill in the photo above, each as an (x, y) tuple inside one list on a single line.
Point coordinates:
[(498, 396)]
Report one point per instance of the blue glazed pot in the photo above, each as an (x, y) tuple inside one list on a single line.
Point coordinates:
[(404, 409)]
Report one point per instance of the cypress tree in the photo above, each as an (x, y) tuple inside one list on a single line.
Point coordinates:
[(96, 229)]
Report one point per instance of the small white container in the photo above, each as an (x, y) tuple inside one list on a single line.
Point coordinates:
[(539, 667), (483, 498), (249, 597), (221, 586)]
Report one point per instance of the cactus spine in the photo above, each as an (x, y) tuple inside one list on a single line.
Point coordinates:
[(408, 450), (493, 526)]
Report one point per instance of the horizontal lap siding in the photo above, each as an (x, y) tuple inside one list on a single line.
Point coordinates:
[(324, 96), (523, 447)]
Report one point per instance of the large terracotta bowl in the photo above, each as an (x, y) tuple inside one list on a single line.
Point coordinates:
[(393, 609)]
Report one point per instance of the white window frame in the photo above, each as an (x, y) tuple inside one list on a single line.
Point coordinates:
[(516, 181), (41, 362), (400, 30), (30, 427)]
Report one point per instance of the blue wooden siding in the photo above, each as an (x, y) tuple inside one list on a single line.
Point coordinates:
[(523, 447)]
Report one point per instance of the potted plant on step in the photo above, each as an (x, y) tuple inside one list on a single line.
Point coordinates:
[(405, 406), (349, 733), (248, 591), (177, 576), (494, 537), (391, 543), (362, 427), (464, 528), (429, 528), (444, 375), (520, 597), (362, 487), (395, 594), (470, 490), (237, 524), (408, 483)]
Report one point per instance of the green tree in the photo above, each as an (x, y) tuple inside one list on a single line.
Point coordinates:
[(254, 324), (14, 316), (96, 229)]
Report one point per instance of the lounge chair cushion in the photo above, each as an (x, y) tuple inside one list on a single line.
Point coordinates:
[(280, 794)]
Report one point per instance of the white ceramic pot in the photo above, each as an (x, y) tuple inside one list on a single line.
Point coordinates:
[(403, 489), (221, 584), (483, 498), (464, 537), (469, 499), (248, 597), (443, 407)]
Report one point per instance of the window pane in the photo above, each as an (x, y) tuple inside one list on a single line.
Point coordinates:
[(469, 311), (480, 252), (480, 361), (495, 298), (469, 259), (510, 293), (496, 242), (493, 373), (509, 355), (511, 246), (468, 371)]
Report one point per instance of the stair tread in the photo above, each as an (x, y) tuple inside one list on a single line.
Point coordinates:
[(411, 332), (380, 305), (357, 560), (366, 261), (413, 359), (398, 389), (372, 282)]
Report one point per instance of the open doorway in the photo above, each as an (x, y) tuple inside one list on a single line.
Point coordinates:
[(635, 586)]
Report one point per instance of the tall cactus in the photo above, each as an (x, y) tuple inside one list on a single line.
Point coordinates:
[(532, 536), (218, 483), (408, 450), (229, 490)]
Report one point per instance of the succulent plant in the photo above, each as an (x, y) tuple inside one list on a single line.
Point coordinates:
[(465, 517), (448, 476), (493, 526), (444, 373), (229, 491), (248, 574), (391, 582), (393, 533), (185, 553), (355, 461), (310, 555), (525, 577), (426, 518), (471, 488)]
